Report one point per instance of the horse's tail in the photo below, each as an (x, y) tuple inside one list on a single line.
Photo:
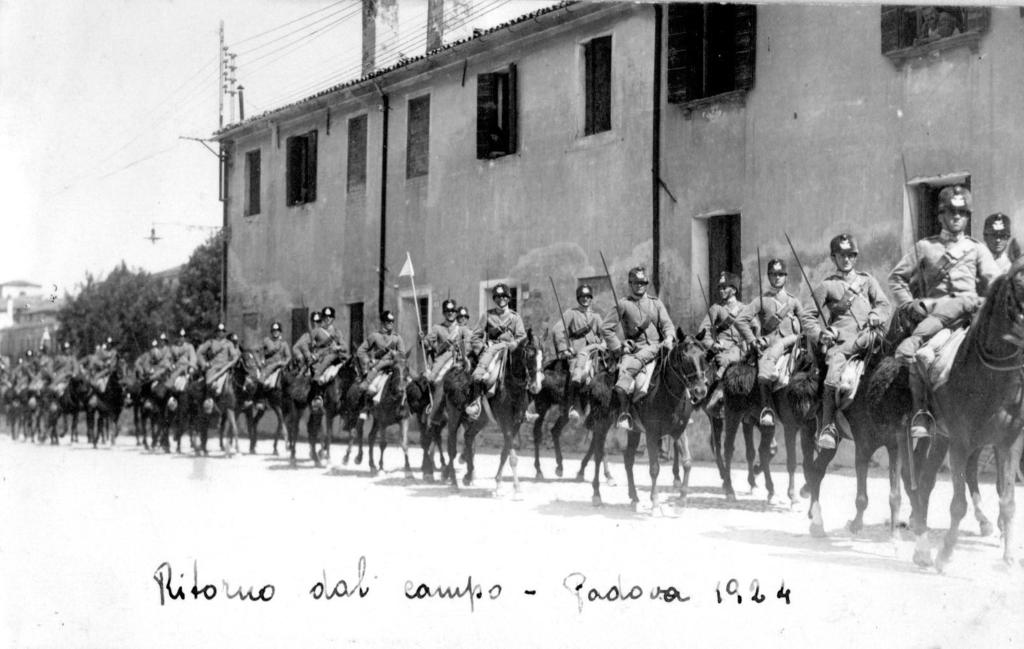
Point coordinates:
[(739, 379), (887, 394), (458, 386)]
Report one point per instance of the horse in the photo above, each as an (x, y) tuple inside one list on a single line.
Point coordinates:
[(245, 376), (339, 397), (679, 385), (522, 376), (270, 398), (418, 397), (393, 408), (296, 387), (742, 406), (981, 403), (103, 409), (221, 409)]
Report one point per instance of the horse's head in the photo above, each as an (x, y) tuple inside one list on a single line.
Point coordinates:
[(529, 359), (688, 364)]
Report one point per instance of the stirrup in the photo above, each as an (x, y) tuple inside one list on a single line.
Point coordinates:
[(574, 416), (919, 430), (624, 422), (473, 409), (767, 417), (827, 438)]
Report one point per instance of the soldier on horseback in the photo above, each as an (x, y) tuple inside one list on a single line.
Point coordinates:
[(183, 362), (65, 366), (939, 285), (102, 364), (779, 316), (579, 334), (719, 325), (276, 355), (646, 329), (445, 345), (216, 356), (467, 333), (1003, 247), (377, 356), (854, 304), (328, 348), (302, 349), (498, 331)]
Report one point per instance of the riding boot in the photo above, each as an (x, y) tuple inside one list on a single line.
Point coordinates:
[(623, 420), (767, 418), (827, 434), (573, 412), (920, 422), (715, 400)]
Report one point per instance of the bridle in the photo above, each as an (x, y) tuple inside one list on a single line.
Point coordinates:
[(1005, 299)]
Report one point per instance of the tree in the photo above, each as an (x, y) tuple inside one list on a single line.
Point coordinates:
[(197, 301)]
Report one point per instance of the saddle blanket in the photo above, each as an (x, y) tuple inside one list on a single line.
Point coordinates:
[(180, 383), (272, 379), (642, 383), (437, 374), (329, 374), (377, 386), (935, 358), (101, 384), (218, 383), (495, 370), (784, 369)]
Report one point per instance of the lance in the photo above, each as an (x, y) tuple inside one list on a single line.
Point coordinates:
[(561, 313), (760, 290), (807, 281), (615, 297), (913, 224), (707, 303)]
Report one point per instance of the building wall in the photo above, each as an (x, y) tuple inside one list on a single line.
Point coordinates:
[(817, 148)]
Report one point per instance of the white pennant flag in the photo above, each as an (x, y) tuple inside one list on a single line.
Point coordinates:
[(406, 267)]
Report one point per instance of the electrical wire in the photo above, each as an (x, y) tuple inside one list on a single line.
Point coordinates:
[(291, 22)]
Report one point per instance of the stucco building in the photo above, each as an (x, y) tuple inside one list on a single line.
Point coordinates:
[(684, 137)]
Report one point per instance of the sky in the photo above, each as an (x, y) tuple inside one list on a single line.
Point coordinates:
[(96, 96)]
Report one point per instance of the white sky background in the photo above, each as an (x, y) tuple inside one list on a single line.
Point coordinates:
[(94, 95)]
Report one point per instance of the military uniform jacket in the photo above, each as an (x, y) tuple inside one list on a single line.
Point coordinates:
[(104, 359), (183, 355), (66, 365), (443, 337), (160, 359), (949, 265), (276, 351), (377, 345), (301, 348), (645, 320), (327, 338), (720, 323), (494, 324), (776, 312), (847, 300), (217, 353), (585, 328)]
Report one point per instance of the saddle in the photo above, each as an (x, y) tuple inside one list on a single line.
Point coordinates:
[(272, 380), (437, 373), (218, 383), (642, 383), (784, 368), (495, 371), (935, 358), (327, 376)]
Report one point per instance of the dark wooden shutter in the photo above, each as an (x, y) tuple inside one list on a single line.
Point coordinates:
[(253, 160), (309, 195), (294, 153), (685, 51), (746, 45), (417, 159), (890, 28), (598, 63), (513, 112), (356, 176), (300, 318), (486, 114), (977, 19)]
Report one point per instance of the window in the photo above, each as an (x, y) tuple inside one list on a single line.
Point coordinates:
[(496, 113), (301, 180), (597, 55), (252, 182), (300, 323), (710, 50), (424, 313), (356, 152), (355, 326), (723, 250), (909, 31), (417, 152), (924, 194)]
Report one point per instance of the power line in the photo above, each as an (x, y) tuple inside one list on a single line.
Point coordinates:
[(300, 29), (291, 22), (304, 40)]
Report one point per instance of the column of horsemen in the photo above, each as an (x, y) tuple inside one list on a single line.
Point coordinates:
[(935, 288)]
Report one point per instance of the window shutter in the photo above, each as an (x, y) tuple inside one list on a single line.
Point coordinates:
[(746, 44), (513, 112), (294, 153), (685, 27), (310, 170), (486, 114), (977, 19), (588, 90), (890, 28)]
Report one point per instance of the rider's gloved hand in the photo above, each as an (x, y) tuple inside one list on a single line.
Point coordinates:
[(828, 337), (874, 320)]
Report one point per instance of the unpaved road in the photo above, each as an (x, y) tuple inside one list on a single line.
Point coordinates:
[(83, 531)]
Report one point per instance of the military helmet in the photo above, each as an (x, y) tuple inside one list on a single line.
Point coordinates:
[(182, 333), (463, 312), (163, 337), (233, 337), (843, 243), (154, 343), (500, 290), (276, 326), (584, 290), (955, 198), (315, 317), (776, 267), (998, 224), (109, 342), (729, 279), (66, 346), (328, 312), (28, 353), (448, 305), (638, 275), (387, 316)]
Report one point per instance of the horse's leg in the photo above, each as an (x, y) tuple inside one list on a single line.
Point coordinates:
[(895, 493), (729, 425), (513, 461), (862, 455), (506, 448), (538, 431), (815, 475), (370, 441), (1008, 460), (717, 426), (597, 439), (918, 502), (654, 465), (766, 450), (586, 457), (790, 432), (556, 438), (467, 452), (958, 506), (984, 524), (404, 425), (453, 443), (252, 420), (628, 458), (279, 427), (748, 444), (677, 451)]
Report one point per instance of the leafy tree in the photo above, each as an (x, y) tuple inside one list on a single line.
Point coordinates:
[(197, 301)]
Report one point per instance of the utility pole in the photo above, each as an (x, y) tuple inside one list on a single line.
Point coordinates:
[(222, 77)]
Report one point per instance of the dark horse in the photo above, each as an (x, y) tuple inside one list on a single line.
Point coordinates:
[(742, 406), (392, 409), (103, 409), (522, 377), (982, 403), (678, 386)]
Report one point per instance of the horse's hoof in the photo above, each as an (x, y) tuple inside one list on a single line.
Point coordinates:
[(986, 528), (923, 558), (730, 496), (637, 508), (677, 483), (428, 477), (292, 461), (540, 475), (466, 480), (855, 526), (596, 501), (409, 475), (610, 481), (818, 530), (517, 495), (580, 477), (359, 458), (805, 492), (344, 460), (942, 560)]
